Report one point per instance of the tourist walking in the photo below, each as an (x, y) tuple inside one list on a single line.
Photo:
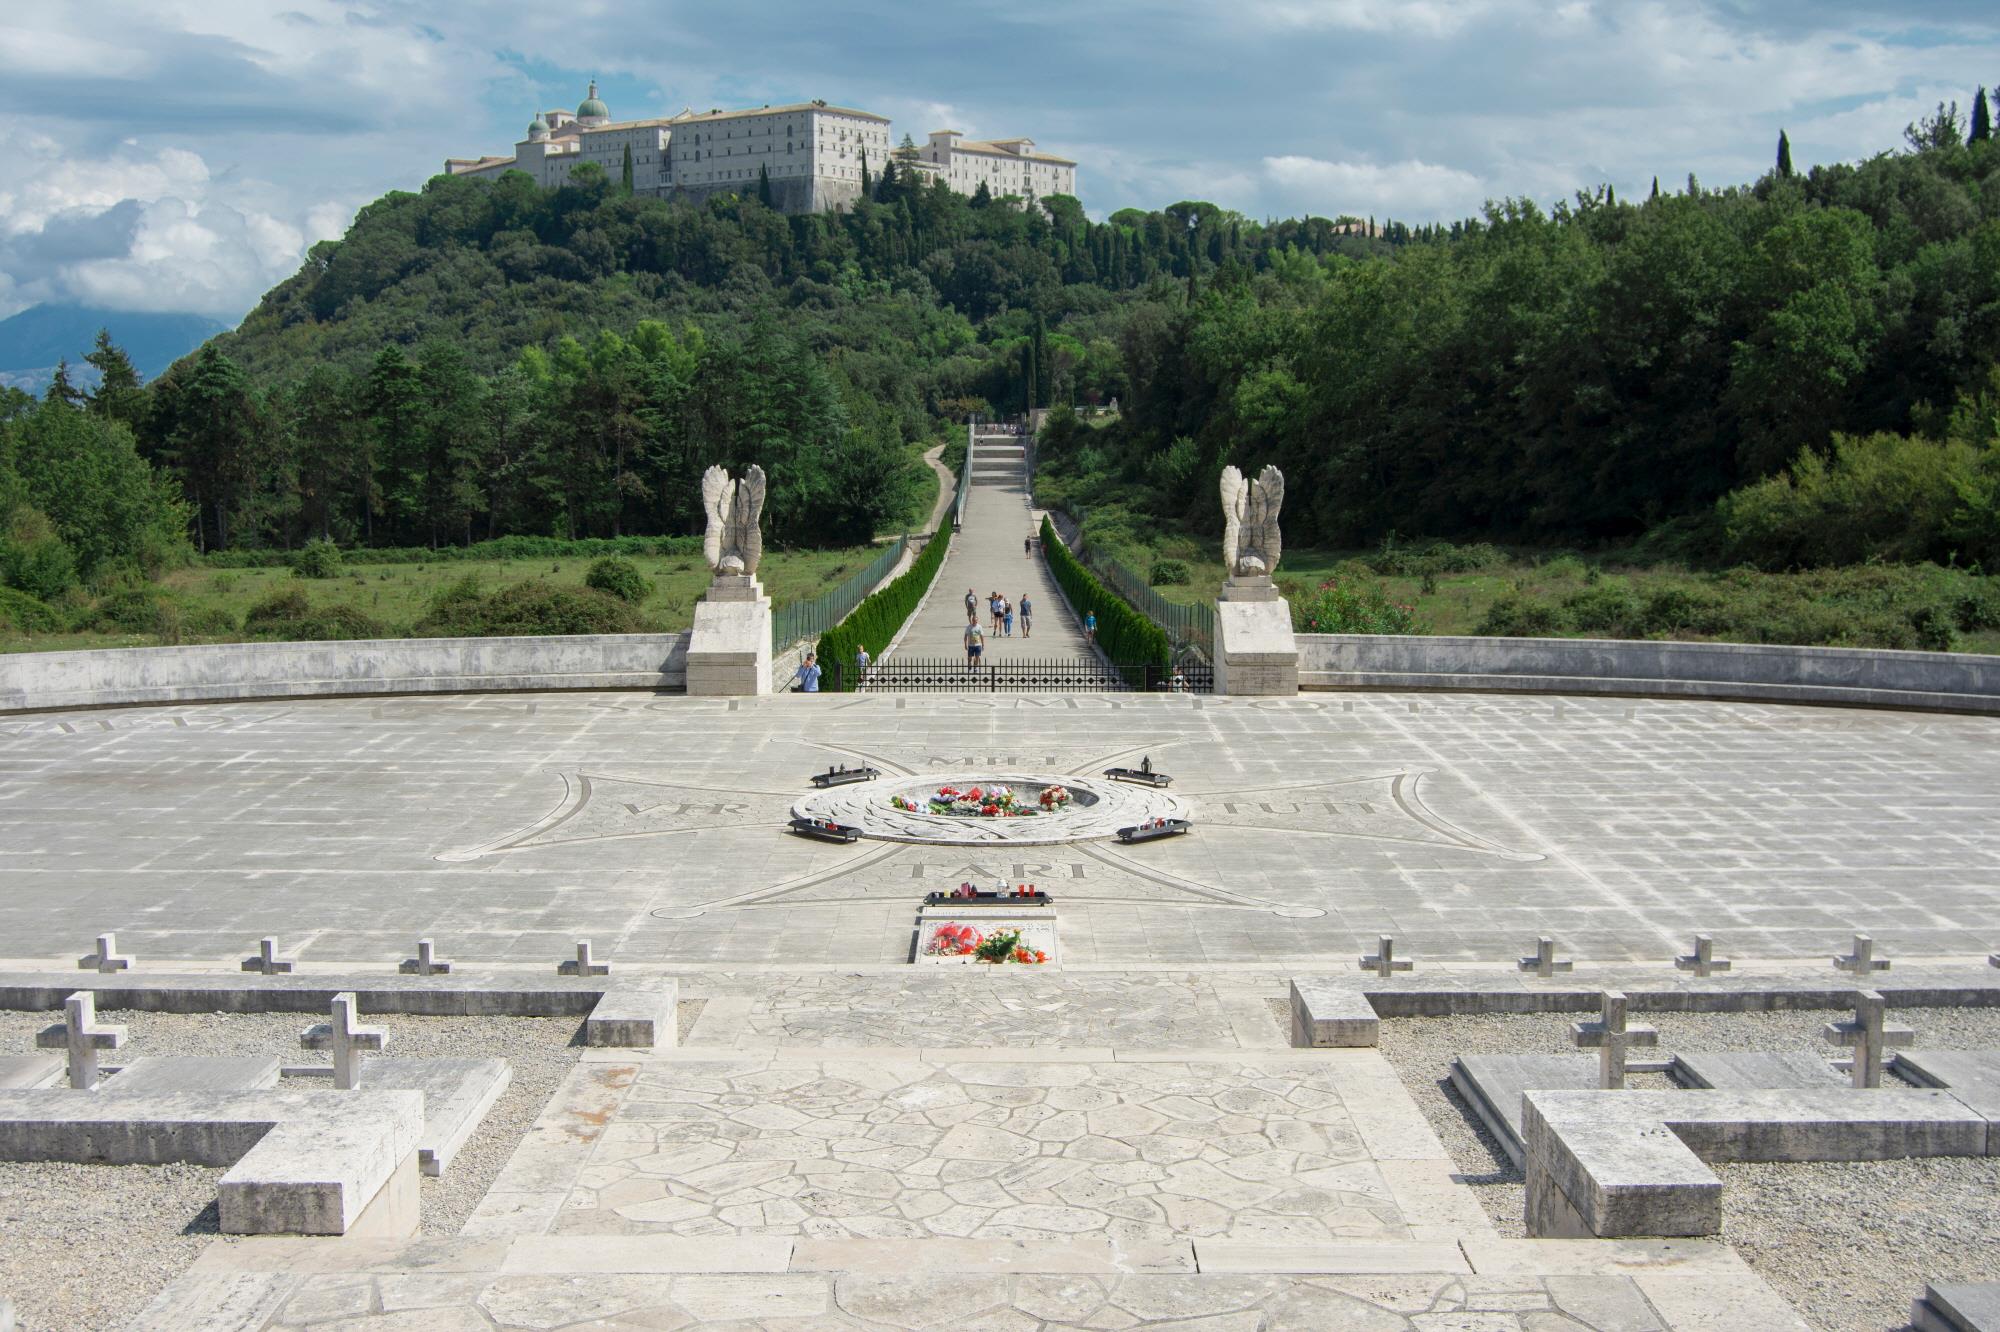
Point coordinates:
[(1090, 626), (808, 674), (1027, 616), (1007, 616), (971, 607), (1028, 546), (860, 662), (975, 643), (993, 605)]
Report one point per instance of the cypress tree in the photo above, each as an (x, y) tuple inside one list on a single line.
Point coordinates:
[(1656, 190), (865, 191), (625, 172), (1784, 155), (1982, 120), (764, 186), (1028, 373), (1610, 197)]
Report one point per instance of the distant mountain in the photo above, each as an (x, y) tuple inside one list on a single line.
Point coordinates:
[(33, 341)]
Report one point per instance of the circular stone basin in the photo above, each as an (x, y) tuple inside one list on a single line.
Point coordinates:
[(1027, 796), (1098, 807)]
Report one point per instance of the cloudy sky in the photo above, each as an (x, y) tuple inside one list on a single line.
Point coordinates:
[(181, 154)]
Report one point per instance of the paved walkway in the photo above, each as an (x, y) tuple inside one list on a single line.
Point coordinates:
[(986, 556)]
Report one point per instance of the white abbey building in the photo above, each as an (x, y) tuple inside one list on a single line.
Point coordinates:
[(812, 153)]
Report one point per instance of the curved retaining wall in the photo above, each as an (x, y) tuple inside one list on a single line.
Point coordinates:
[(108, 677), (1758, 672)]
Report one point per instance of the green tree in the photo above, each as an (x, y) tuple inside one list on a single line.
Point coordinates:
[(394, 405), (118, 394), (764, 186), (1982, 119), (866, 192), (1784, 155), (625, 173), (206, 421), (61, 387)]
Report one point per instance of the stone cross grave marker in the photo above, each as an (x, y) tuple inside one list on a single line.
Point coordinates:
[(425, 963), (1868, 1036), (585, 964), (1610, 1035), (80, 1034), (1862, 960), (1702, 961), (346, 1039), (1384, 961), (106, 958), (1545, 963), (267, 961)]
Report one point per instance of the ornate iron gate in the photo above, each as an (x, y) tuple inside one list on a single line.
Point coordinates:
[(1075, 675)]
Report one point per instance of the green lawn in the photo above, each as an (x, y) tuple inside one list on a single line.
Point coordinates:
[(397, 593), (1862, 606)]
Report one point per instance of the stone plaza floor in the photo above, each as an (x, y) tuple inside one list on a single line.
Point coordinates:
[(507, 827)]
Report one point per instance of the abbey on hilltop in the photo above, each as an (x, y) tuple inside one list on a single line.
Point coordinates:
[(814, 155)]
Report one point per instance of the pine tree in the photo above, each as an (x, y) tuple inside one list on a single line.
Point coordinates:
[(982, 197), (1982, 120), (625, 173), (1784, 155), (764, 186), (118, 395), (1610, 197), (1656, 190), (865, 191), (60, 388)]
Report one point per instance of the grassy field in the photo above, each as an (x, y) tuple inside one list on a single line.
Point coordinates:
[(1573, 597), (398, 593)]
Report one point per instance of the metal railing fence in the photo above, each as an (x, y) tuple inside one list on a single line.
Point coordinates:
[(1188, 624), (809, 619)]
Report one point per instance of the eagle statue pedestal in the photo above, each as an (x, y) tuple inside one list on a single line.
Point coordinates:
[(1255, 650), (730, 651)]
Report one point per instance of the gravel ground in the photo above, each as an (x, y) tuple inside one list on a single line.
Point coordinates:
[(1850, 1244), (88, 1246)]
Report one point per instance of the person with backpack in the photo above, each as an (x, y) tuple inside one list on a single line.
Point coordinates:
[(1027, 616)]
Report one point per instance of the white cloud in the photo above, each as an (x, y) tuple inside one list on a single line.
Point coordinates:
[(145, 230), (1426, 18), (1413, 191)]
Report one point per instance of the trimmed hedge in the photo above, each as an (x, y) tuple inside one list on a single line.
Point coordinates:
[(874, 623), (1127, 637), (500, 548)]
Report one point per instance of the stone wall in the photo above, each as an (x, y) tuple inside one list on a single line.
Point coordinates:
[(1947, 681), (31, 681), (789, 194)]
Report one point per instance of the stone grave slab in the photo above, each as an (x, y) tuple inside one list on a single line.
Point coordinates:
[(1329, 1014), (457, 1094), (1749, 1071), (26, 1071), (1492, 1086), (1958, 1306), (300, 1162), (1972, 1075), (1037, 926), (1633, 1163), (196, 1073)]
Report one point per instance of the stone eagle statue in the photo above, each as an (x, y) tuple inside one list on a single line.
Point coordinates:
[(1250, 540), (734, 542)]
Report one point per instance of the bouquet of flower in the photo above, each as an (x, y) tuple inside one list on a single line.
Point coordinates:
[(977, 802), (1054, 797), (1006, 946), (954, 941)]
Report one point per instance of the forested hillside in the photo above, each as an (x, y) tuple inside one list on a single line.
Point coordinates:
[(1791, 373)]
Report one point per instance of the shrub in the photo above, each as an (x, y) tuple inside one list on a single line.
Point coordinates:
[(620, 578), (1340, 606), (134, 610), (283, 606), (1434, 556), (533, 608), (1167, 573), (1126, 637), (317, 559), (875, 622), (1672, 610), (1521, 617), (1882, 496), (23, 614), (1597, 609), (34, 558)]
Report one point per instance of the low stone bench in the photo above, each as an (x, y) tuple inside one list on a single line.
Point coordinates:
[(634, 1019), (1625, 1163), (300, 1163), (1330, 1014), (1957, 1306), (636, 1015)]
